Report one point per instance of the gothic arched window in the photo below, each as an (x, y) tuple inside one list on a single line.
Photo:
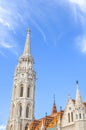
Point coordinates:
[(69, 117), (79, 115), (28, 92), (83, 116), (72, 116), (21, 91), (20, 111), (11, 127), (27, 111)]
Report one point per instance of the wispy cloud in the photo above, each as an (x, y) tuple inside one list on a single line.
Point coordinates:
[(8, 46), (78, 8), (15, 16), (80, 3), (78, 11), (2, 127), (81, 43)]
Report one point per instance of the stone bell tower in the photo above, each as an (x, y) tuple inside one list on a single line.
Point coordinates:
[(23, 96)]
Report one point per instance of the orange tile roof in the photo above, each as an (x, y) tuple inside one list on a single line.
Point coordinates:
[(48, 121)]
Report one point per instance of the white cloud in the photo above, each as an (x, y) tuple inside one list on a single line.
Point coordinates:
[(2, 127), (81, 43), (78, 8), (15, 15), (6, 45), (80, 3)]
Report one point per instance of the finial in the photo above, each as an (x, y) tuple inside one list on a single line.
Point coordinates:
[(60, 108), (46, 114), (78, 96), (76, 81)]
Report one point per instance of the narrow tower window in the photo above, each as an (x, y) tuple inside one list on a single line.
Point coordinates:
[(79, 115), (28, 92), (20, 110), (27, 111), (69, 117), (72, 116), (21, 91), (11, 128)]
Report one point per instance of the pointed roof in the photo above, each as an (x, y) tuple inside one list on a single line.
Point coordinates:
[(42, 126), (27, 44), (54, 109), (78, 96)]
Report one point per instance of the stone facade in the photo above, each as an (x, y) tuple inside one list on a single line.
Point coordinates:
[(23, 96), (73, 117)]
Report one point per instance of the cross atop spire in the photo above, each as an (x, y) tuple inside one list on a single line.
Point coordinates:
[(27, 44)]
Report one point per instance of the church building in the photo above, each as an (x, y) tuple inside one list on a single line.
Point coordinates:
[(73, 117), (21, 116)]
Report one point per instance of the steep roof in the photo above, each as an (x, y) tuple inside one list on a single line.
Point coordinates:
[(48, 121)]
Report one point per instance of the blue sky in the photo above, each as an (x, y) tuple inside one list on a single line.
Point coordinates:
[(58, 44)]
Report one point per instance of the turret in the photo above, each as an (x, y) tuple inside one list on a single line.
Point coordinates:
[(54, 109), (78, 96)]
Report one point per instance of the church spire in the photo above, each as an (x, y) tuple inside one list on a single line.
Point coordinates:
[(27, 44), (78, 96), (54, 109)]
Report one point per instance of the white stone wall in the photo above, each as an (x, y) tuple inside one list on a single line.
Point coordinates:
[(69, 108), (25, 77)]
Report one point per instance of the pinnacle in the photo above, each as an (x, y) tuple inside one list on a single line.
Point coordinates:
[(27, 44), (78, 96)]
